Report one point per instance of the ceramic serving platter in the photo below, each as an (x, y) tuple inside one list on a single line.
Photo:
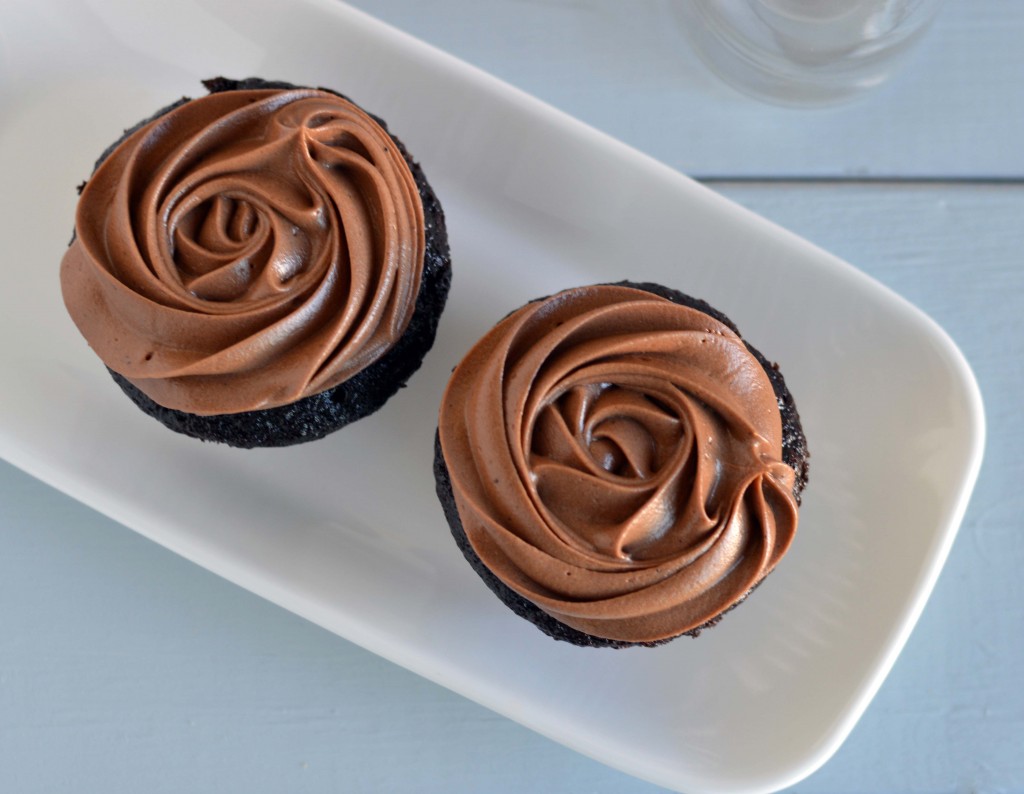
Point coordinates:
[(347, 531)]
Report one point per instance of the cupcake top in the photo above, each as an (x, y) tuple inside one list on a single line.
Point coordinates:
[(616, 459), (247, 249)]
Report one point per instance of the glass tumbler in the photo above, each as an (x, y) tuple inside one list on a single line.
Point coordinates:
[(804, 52)]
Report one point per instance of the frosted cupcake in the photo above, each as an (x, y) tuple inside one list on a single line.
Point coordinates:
[(618, 465), (260, 266)]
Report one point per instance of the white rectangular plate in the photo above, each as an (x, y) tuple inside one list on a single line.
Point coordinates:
[(347, 531)]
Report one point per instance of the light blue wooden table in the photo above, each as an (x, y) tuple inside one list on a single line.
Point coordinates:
[(125, 669)]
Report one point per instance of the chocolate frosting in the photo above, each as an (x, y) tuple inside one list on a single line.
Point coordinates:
[(247, 249), (616, 459)]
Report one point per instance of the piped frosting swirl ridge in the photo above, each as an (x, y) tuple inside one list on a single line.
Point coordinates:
[(247, 249)]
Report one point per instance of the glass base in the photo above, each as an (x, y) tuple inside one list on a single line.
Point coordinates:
[(830, 54)]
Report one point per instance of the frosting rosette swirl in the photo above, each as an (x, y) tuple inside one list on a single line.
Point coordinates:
[(616, 459), (247, 249)]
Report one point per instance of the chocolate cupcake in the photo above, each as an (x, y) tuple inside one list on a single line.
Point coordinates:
[(618, 465), (260, 266)]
